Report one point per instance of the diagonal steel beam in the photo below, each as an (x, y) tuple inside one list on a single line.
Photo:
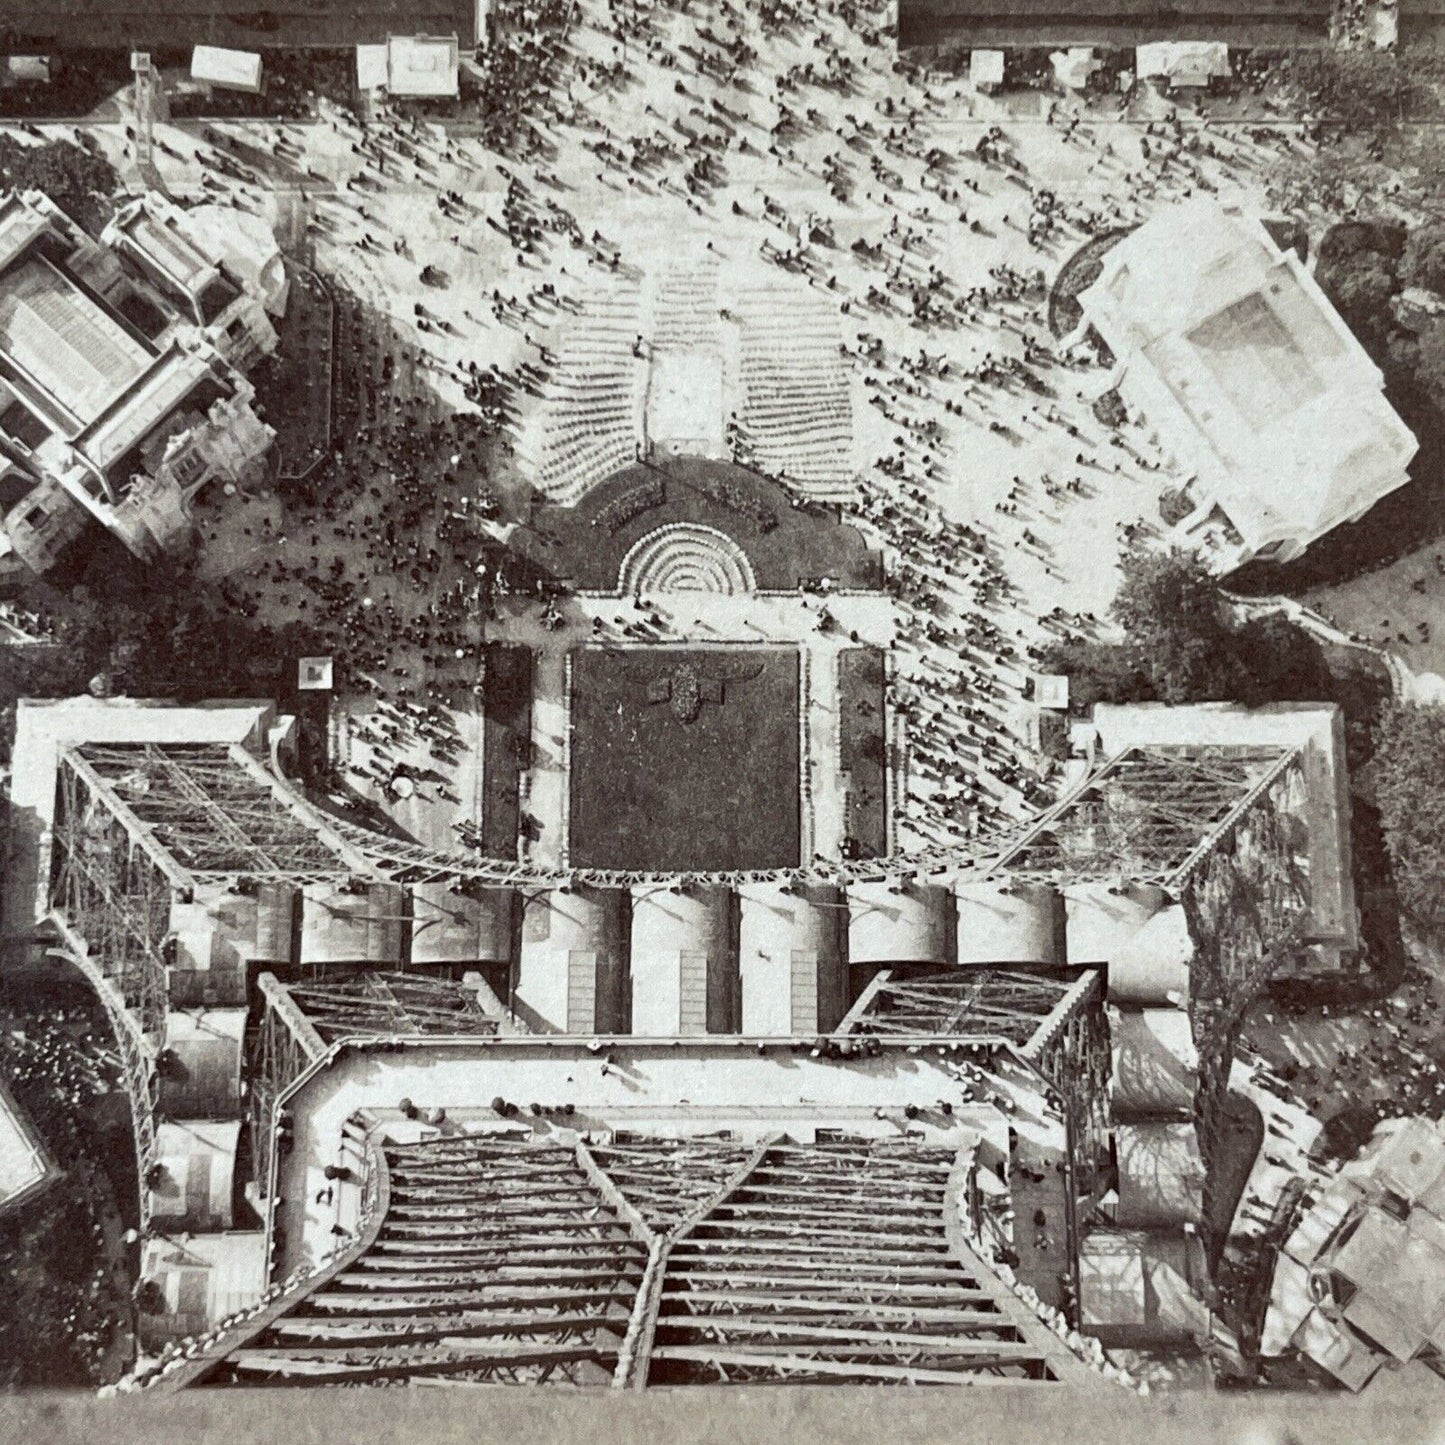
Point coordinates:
[(635, 1355)]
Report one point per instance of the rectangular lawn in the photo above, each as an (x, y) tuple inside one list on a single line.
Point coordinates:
[(862, 680), (650, 791)]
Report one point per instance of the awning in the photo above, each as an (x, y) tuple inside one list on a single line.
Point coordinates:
[(229, 69), (1074, 67), (370, 67), (1184, 63), (421, 66), (985, 68), (33, 68)]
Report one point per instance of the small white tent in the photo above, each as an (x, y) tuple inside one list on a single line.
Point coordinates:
[(227, 69)]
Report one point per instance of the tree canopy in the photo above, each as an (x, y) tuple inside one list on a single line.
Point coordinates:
[(181, 641), (1408, 773), (1356, 89), (1424, 260), (1359, 271), (1179, 647), (1430, 361), (81, 182)]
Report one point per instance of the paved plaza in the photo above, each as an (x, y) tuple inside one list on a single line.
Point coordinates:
[(910, 222)]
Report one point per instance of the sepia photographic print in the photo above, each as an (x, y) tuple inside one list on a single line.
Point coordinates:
[(705, 694)]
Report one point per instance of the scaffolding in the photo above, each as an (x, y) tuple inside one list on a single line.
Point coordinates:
[(501, 1258)]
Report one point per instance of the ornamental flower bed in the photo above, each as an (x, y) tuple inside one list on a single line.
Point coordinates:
[(632, 503), (686, 693)]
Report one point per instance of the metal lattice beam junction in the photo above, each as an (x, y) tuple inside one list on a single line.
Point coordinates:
[(1147, 814), (988, 1004), (508, 1259), (213, 808), (386, 1004)]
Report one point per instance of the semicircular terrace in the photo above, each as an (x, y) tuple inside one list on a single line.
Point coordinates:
[(785, 542), (686, 557)]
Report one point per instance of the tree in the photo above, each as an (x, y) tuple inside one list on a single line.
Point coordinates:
[(1334, 178), (1361, 282), (1179, 648), (1408, 774), (1430, 361), (1099, 672), (1174, 505), (1358, 90), (1169, 608), (1424, 259), (1280, 663), (81, 182)]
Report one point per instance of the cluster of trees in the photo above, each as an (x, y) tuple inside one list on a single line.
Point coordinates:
[(1408, 776), (1355, 89), (1179, 646), (80, 181), (178, 640), (1363, 267)]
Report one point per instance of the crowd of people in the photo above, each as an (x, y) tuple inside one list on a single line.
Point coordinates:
[(64, 1255), (379, 550)]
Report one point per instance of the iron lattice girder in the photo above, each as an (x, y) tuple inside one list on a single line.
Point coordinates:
[(110, 890), (284, 1046), (796, 1316), (389, 1004), (1147, 813), (647, 1270), (518, 1316), (137, 1053), (989, 1004), (214, 810)]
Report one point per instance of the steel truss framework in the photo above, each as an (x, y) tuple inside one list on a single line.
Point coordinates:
[(1049, 1020), (114, 893), (389, 1004), (502, 1259), (1009, 1005), (303, 1018), (1150, 814), (284, 1045), (1146, 815), (213, 809), (138, 1054), (138, 824)]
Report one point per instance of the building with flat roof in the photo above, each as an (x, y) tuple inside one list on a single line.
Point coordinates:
[(411, 66), (1233, 353), (1359, 1285), (122, 376)]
